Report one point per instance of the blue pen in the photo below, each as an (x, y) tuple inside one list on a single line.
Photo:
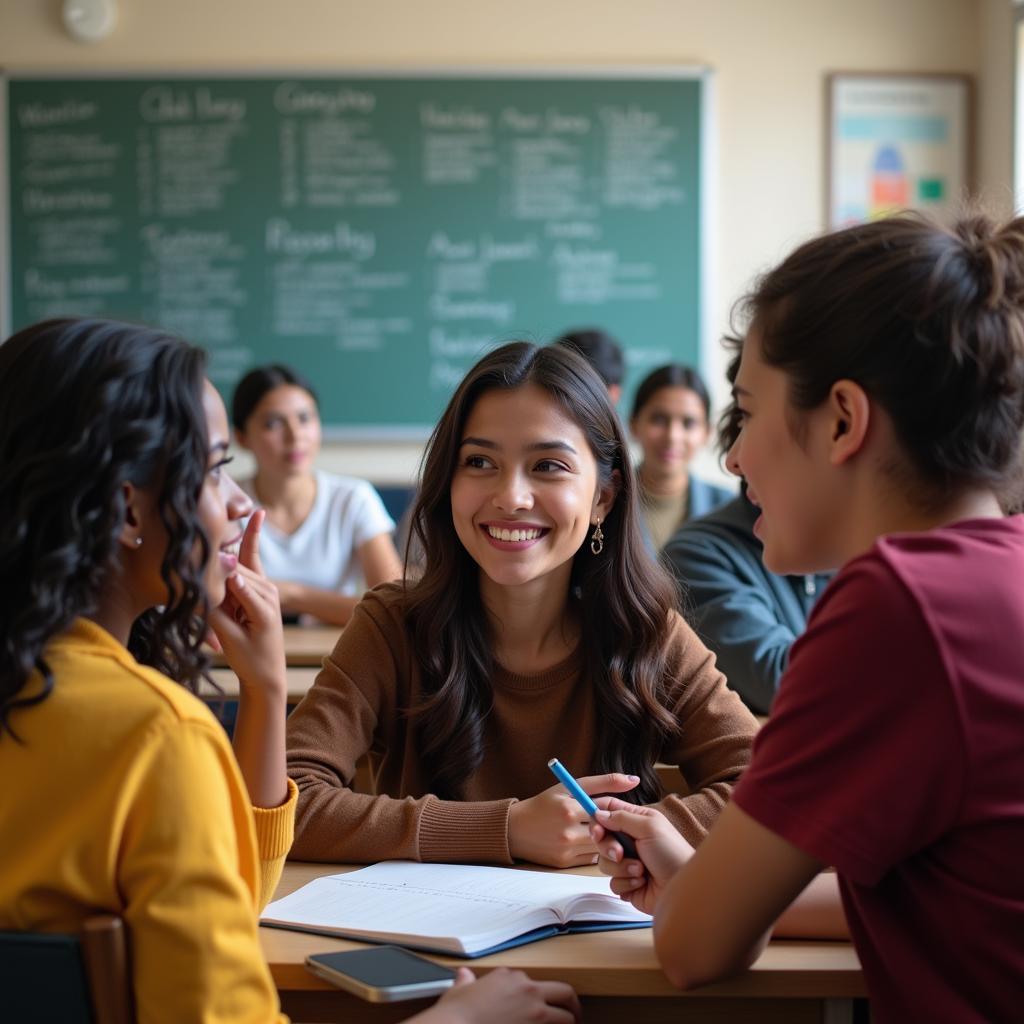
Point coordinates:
[(577, 792)]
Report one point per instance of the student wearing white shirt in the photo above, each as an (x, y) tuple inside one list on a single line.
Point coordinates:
[(326, 536)]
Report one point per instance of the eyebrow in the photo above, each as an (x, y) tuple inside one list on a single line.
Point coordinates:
[(737, 391), (218, 446), (482, 442)]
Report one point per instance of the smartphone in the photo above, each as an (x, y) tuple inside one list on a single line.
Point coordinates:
[(383, 974)]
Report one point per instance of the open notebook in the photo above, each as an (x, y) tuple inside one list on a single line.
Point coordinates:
[(458, 909)]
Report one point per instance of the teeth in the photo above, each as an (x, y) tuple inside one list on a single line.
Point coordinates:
[(513, 535)]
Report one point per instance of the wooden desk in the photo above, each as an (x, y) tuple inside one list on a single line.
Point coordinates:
[(615, 973), (299, 680), (304, 646)]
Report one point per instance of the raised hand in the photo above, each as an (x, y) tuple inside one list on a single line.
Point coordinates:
[(247, 625), (248, 629)]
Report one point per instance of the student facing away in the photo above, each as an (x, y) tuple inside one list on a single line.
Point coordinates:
[(882, 394), (541, 627), (325, 535), (120, 543)]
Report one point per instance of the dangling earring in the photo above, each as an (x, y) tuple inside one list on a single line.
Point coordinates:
[(597, 539)]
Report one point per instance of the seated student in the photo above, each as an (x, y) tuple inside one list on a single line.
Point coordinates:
[(747, 615), (325, 535), (671, 422), (121, 542), (540, 627), (882, 395), (603, 353)]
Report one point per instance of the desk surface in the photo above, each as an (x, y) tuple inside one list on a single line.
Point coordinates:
[(299, 680), (598, 964), (304, 646)]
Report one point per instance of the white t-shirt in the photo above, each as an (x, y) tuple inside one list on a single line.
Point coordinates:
[(321, 553)]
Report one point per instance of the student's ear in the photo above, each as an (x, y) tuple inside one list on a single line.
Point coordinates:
[(131, 528), (606, 495), (849, 416)]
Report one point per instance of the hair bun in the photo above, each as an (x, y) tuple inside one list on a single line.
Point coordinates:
[(997, 255)]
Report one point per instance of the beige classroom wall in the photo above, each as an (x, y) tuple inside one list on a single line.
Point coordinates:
[(769, 59)]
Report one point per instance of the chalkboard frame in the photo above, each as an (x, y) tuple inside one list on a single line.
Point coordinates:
[(707, 169)]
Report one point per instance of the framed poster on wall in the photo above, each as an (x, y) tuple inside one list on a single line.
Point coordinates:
[(897, 141)]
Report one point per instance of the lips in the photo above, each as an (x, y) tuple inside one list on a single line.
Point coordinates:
[(228, 553)]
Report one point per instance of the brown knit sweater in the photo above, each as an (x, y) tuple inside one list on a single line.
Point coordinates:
[(355, 707)]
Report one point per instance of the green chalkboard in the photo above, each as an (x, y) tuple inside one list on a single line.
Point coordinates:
[(377, 232)]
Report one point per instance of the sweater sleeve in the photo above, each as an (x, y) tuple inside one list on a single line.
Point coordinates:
[(353, 706), (736, 615), (715, 737), (189, 872), (275, 833)]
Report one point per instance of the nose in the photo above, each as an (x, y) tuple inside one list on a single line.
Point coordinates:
[(732, 458), (289, 430), (512, 492), (239, 504)]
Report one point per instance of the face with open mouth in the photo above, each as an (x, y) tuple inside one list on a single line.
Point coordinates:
[(789, 480), (525, 492), (222, 503)]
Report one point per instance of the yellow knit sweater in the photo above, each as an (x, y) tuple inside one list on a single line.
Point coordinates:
[(125, 797)]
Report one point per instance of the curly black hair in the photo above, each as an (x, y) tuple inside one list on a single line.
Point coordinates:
[(85, 406)]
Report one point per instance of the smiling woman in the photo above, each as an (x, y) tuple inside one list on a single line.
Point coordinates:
[(540, 627)]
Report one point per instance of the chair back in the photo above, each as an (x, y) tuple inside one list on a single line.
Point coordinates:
[(67, 979)]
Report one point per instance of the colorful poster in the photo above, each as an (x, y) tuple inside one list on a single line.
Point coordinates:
[(896, 142)]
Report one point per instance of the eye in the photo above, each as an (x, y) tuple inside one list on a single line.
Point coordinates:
[(551, 466), (215, 469), (690, 423), (659, 419), (477, 462)]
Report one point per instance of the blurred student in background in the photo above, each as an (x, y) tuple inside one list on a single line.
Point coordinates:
[(746, 614), (671, 423), (603, 353), (326, 537)]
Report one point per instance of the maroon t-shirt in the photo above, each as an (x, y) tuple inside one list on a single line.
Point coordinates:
[(895, 752)]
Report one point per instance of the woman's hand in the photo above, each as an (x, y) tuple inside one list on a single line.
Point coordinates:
[(247, 624), (503, 997), (552, 829), (662, 851), (248, 629)]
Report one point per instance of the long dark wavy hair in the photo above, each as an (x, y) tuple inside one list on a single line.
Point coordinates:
[(86, 405), (623, 597)]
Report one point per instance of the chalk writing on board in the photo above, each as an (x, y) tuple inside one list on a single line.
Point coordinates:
[(378, 232)]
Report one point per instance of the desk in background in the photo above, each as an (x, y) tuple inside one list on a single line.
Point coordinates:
[(615, 973), (304, 646), (299, 680)]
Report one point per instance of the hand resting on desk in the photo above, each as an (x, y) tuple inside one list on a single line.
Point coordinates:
[(551, 828), (502, 997)]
